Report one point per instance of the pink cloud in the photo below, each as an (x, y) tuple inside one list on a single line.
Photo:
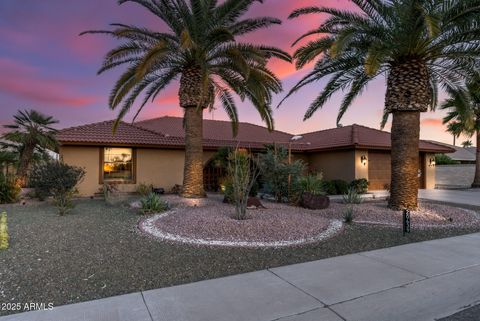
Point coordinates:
[(25, 81), (434, 122)]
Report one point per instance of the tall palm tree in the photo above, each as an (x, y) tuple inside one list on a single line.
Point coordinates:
[(416, 45), (200, 49), (30, 132), (464, 116)]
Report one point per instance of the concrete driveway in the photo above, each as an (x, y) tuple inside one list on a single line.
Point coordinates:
[(465, 197), (420, 281)]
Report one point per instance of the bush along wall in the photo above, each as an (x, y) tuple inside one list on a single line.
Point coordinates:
[(4, 238)]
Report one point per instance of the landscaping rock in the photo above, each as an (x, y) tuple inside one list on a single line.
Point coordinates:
[(254, 203), (315, 202)]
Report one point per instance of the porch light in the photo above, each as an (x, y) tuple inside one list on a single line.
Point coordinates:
[(364, 160), (431, 162)]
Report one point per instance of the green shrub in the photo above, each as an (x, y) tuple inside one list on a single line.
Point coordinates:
[(312, 184), (152, 203), (144, 189), (329, 188), (348, 215), (9, 189), (442, 159), (58, 180), (360, 185), (352, 197), (4, 238), (276, 170), (341, 186)]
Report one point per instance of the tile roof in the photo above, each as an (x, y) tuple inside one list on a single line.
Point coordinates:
[(169, 132), (462, 154)]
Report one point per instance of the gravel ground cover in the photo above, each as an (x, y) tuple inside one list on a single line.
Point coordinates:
[(96, 252), (214, 221), (428, 215)]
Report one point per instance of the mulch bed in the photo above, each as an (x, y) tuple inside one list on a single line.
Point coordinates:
[(96, 252)]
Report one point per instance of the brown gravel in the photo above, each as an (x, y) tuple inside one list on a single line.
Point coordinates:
[(212, 220), (427, 215)]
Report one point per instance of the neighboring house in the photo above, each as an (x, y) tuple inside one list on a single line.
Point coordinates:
[(463, 155), (152, 152)]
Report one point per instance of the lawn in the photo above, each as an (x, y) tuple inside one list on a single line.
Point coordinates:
[(96, 252)]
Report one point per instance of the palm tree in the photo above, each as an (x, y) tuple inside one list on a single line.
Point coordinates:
[(200, 48), (30, 132), (467, 143), (464, 116), (416, 45)]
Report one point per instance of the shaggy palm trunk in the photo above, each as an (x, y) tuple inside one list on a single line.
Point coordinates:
[(191, 101), (23, 165), (193, 169), (408, 94), (405, 159), (476, 180)]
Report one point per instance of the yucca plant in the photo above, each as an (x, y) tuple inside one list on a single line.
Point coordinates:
[(152, 203), (463, 116), (202, 51), (417, 45)]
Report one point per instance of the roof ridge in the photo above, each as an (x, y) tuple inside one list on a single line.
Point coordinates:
[(215, 120), (324, 130), (86, 125)]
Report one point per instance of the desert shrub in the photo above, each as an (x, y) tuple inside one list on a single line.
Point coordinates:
[(152, 203), (442, 159), (58, 180), (227, 190), (312, 184), (9, 189), (4, 238), (144, 189), (352, 197), (341, 186), (276, 170), (348, 215), (360, 185), (329, 188), (242, 173)]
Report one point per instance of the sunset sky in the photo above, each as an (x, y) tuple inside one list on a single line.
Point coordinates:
[(45, 65)]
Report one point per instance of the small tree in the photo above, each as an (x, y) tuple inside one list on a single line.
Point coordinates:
[(276, 169), (243, 174), (58, 180)]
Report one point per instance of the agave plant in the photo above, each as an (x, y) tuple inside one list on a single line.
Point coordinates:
[(417, 45), (201, 50)]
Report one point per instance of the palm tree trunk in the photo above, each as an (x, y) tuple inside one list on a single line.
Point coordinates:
[(193, 169), (405, 160), (23, 164), (476, 180)]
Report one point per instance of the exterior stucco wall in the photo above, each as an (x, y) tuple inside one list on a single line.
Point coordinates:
[(430, 178), (361, 169), (334, 164), (160, 167)]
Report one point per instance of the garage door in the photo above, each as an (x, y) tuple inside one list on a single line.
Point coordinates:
[(379, 169)]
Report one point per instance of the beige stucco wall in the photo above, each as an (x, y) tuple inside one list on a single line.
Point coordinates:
[(334, 164), (361, 170), (160, 167), (430, 179)]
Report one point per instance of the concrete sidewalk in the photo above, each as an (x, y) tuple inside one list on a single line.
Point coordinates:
[(461, 197), (420, 281)]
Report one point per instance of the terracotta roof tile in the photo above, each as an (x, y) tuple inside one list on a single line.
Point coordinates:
[(169, 132)]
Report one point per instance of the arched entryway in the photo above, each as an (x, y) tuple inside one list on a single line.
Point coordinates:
[(213, 174)]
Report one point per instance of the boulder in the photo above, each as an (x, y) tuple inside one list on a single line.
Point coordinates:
[(254, 203), (315, 202)]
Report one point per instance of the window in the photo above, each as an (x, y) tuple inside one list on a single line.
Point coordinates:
[(117, 164)]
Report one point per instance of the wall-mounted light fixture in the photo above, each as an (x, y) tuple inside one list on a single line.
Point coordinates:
[(431, 162), (364, 160)]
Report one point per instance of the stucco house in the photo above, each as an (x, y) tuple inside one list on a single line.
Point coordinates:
[(152, 152)]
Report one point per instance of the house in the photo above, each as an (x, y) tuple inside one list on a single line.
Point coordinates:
[(152, 151), (463, 155)]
